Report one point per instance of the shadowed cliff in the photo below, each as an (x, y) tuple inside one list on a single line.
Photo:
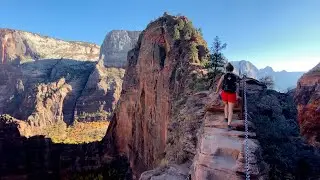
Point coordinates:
[(58, 92)]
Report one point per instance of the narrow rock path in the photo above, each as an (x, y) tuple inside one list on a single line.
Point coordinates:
[(221, 152)]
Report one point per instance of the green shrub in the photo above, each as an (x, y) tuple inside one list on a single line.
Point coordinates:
[(188, 31), (176, 33), (193, 53), (180, 24)]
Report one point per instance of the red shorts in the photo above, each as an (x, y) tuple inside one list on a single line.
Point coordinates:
[(229, 97)]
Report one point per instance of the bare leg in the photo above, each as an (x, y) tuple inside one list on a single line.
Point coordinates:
[(230, 110), (225, 109)]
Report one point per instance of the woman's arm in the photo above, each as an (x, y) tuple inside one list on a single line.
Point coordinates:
[(237, 91), (219, 84)]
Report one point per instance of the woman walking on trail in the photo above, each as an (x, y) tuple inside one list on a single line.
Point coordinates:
[(229, 93)]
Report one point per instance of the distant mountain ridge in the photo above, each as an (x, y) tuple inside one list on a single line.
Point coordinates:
[(20, 46), (116, 46), (282, 79)]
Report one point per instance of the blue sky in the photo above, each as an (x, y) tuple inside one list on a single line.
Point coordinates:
[(284, 34)]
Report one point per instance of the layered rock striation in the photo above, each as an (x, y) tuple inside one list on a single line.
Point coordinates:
[(56, 91), (43, 96), (115, 47), (51, 92), (20, 46)]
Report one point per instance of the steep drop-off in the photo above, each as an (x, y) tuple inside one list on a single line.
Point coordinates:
[(158, 79), (38, 158), (307, 97), (283, 149)]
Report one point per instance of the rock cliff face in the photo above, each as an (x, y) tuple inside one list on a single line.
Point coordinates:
[(116, 45), (307, 97), (100, 94), (158, 78), (50, 92), (284, 150), (19, 46), (46, 95)]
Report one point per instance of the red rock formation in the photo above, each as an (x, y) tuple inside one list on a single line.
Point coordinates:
[(307, 97), (159, 73)]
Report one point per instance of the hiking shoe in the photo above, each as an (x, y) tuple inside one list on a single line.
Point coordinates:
[(229, 128)]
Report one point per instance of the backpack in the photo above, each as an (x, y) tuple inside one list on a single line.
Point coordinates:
[(229, 83)]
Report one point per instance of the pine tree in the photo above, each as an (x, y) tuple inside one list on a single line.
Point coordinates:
[(217, 59)]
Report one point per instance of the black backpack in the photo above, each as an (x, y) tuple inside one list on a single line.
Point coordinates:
[(230, 82)]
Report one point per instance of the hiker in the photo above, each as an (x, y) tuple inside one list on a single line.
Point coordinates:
[(229, 94)]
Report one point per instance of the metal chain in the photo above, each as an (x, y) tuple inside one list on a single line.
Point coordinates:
[(246, 129)]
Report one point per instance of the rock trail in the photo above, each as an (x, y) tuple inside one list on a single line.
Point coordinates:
[(221, 152)]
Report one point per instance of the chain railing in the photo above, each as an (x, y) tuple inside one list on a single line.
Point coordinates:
[(246, 129), (246, 145)]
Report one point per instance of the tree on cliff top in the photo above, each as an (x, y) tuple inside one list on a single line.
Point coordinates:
[(217, 59), (268, 81)]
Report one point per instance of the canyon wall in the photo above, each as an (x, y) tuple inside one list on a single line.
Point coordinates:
[(57, 81), (52, 91), (307, 97), (20, 46)]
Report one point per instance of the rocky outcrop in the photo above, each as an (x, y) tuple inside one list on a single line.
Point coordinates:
[(307, 97), (20, 46), (44, 91), (116, 45), (48, 105), (245, 67), (158, 79), (100, 95)]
